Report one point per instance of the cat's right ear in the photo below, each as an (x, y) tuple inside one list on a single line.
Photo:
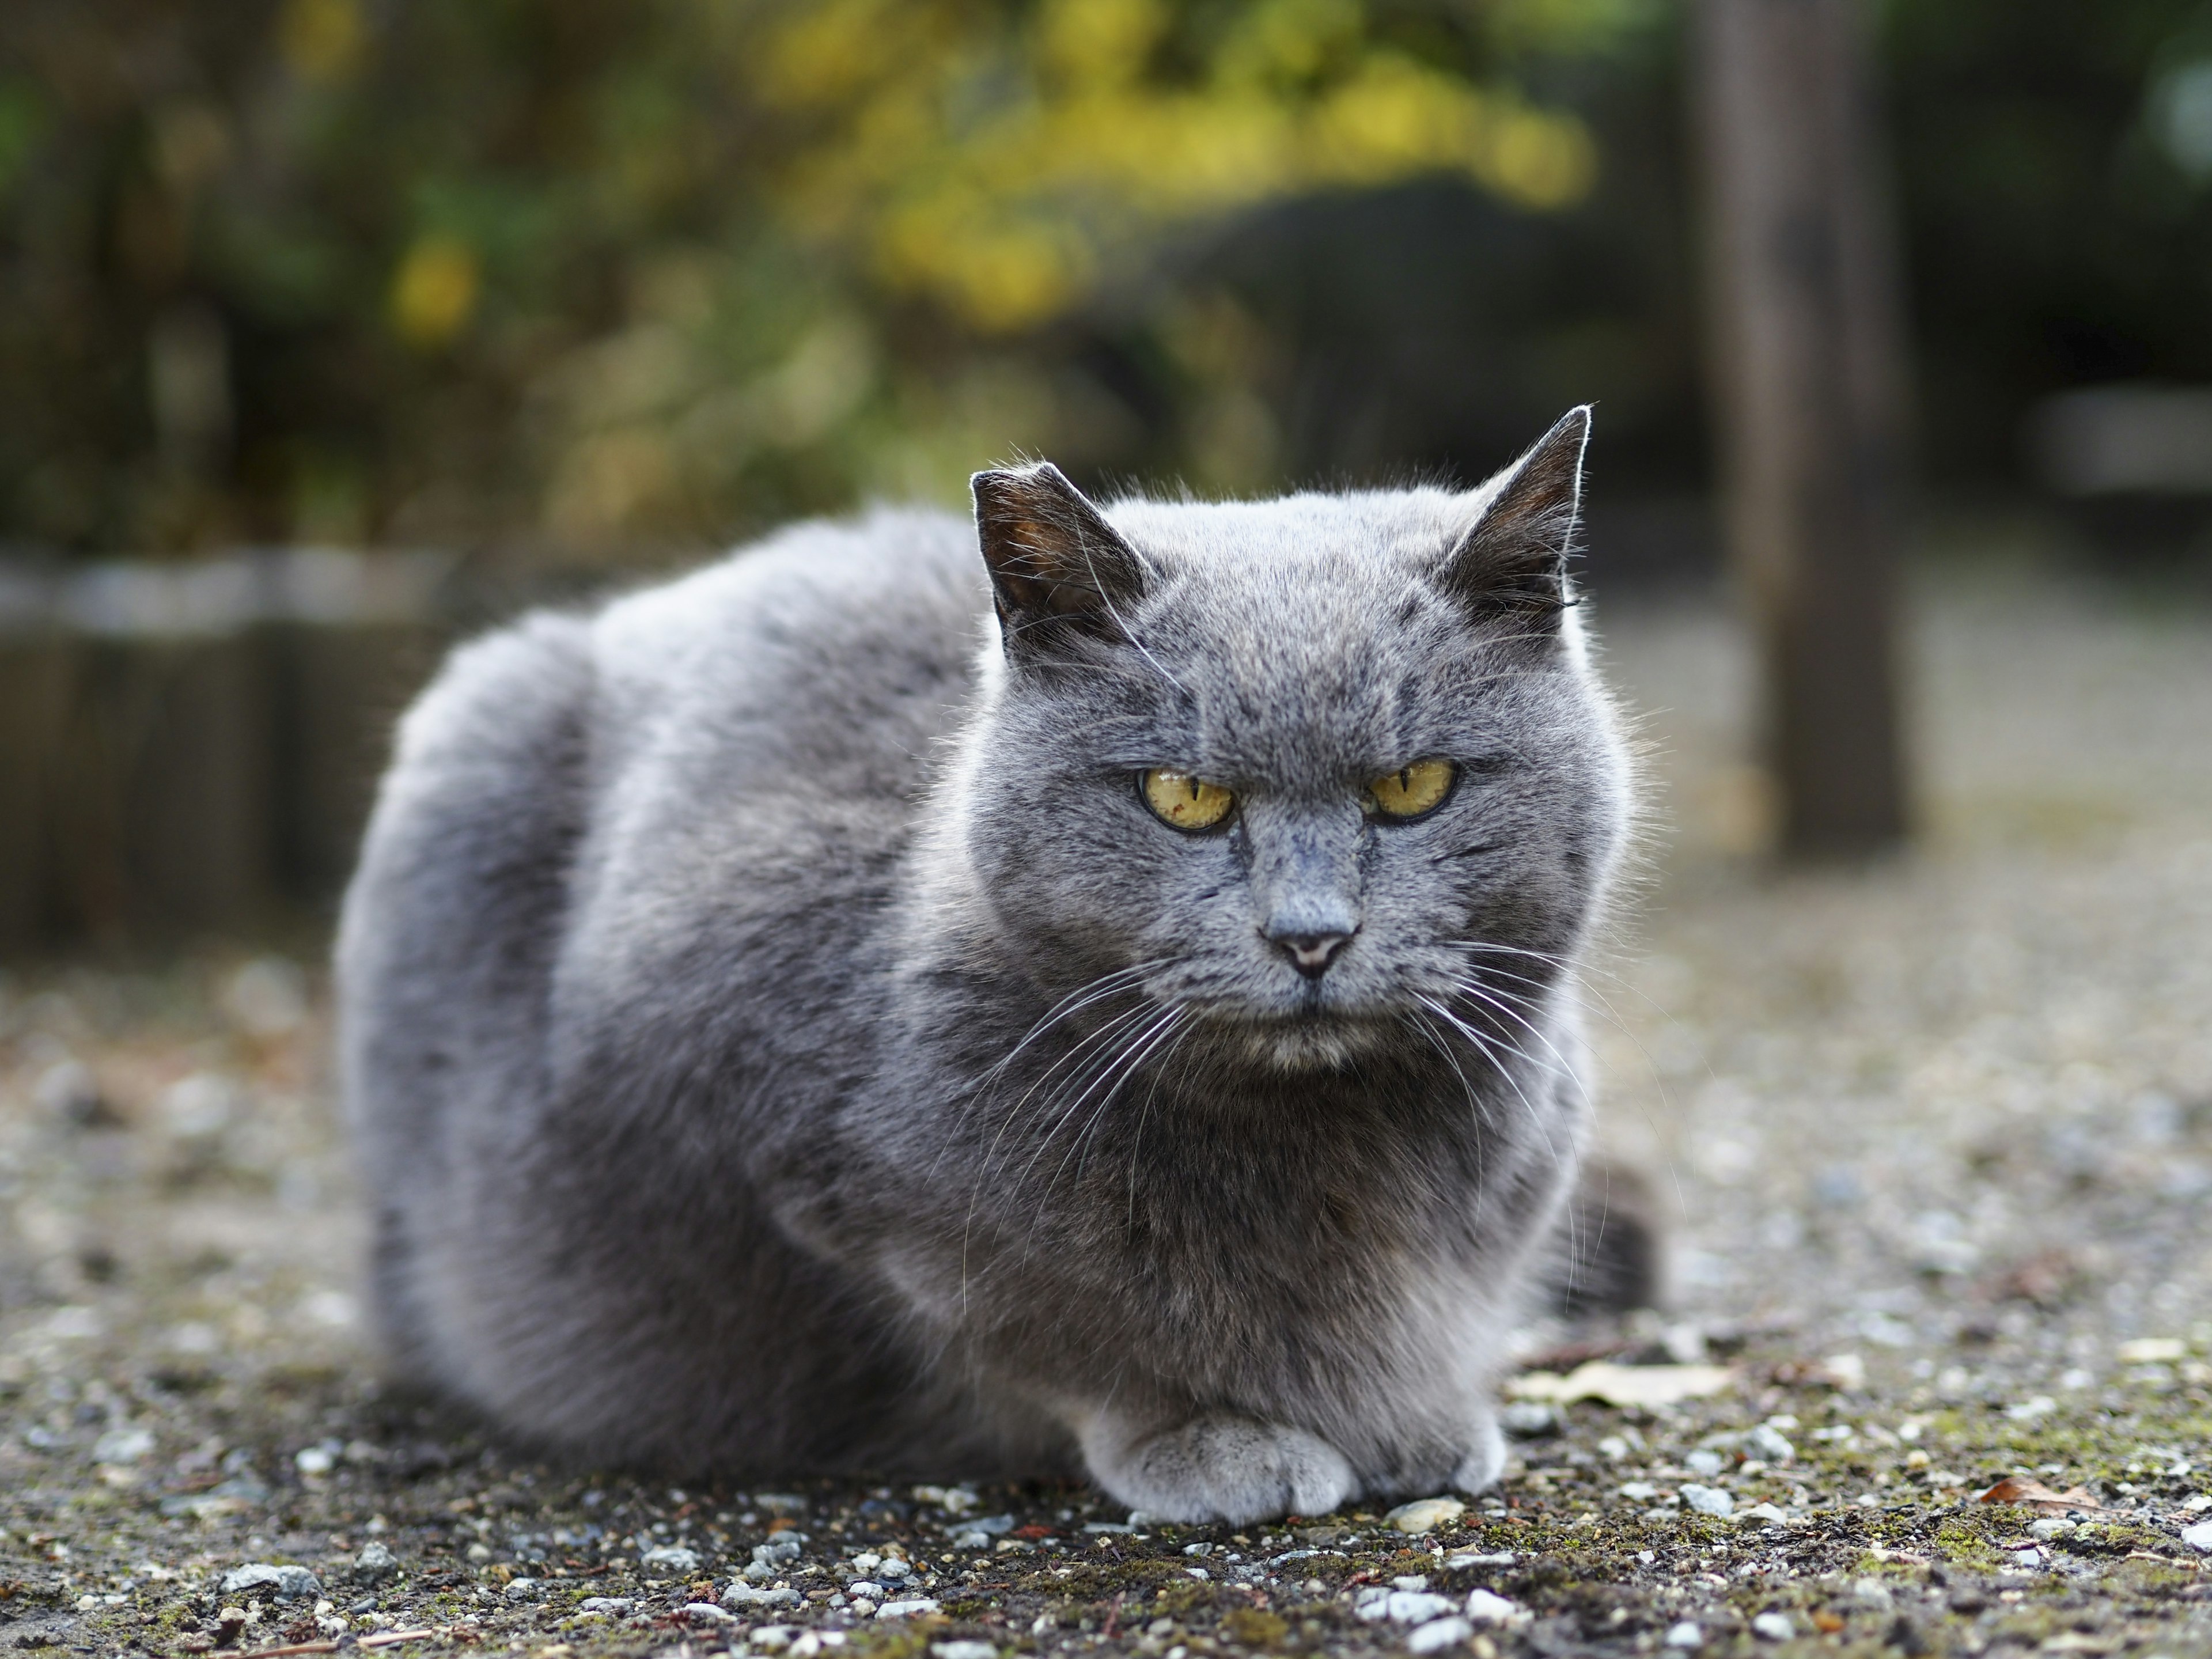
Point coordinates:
[(1057, 567)]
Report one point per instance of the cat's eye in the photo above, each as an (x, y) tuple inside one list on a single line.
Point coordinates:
[(1412, 791), (1184, 802)]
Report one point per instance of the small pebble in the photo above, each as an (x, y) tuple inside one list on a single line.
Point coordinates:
[(962, 1651), (1478, 1558), (1402, 1607), (524, 1590), (1707, 1500), (1687, 1634), (673, 1558), (126, 1444), (1439, 1634), (2198, 1537), (1426, 1514), (1703, 1462), (287, 1584), (375, 1563), (742, 1595), (1488, 1607), (1873, 1592), (1773, 1626), (1769, 1442), (913, 1607)]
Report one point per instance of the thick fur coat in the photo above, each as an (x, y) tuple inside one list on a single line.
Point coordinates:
[(782, 1038)]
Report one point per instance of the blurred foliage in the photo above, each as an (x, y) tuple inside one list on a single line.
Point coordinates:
[(614, 276), (606, 279)]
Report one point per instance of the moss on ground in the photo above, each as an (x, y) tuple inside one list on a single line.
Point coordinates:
[(1868, 1557)]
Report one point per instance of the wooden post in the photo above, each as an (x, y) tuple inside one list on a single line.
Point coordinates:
[(1807, 351)]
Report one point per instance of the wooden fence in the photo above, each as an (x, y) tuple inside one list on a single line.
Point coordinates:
[(191, 749)]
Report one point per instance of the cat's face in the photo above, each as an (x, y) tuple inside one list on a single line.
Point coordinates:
[(1308, 771)]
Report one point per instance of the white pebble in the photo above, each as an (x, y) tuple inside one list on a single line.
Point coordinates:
[(1439, 1634), (1769, 1442), (2198, 1537), (1488, 1607), (1687, 1634), (1774, 1626), (1707, 1500)]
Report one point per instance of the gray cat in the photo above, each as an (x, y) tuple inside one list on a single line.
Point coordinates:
[(798, 1020)]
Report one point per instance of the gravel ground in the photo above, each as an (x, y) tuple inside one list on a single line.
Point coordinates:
[(1937, 1135)]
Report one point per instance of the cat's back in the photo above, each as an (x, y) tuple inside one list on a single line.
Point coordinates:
[(827, 647), (599, 791)]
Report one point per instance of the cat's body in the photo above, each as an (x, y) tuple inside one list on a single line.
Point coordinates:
[(782, 1039)]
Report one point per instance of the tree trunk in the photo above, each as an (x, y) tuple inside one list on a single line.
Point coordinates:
[(1809, 371)]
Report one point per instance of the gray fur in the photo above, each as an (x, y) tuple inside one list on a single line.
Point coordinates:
[(780, 1040)]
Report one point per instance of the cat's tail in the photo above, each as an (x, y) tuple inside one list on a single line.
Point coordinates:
[(1611, 1257)]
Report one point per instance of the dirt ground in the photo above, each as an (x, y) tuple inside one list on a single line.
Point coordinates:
[(1936, 1139)]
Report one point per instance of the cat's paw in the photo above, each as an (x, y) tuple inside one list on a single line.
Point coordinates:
[(1485, 1461), (1223, 1469)]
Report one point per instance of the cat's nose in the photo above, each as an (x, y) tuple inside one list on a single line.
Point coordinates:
[(1310, 953)]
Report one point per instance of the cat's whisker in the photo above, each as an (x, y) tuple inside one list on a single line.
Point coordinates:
[(987, 1165), (1082, 997), (1484, 1045), (1162, 1032), (1099, 1041), (1113, 1070), (1107, 1067), (1136, 1136), (1503, 1004), (1551, 1148), (1581, 974), (1474, 1096)]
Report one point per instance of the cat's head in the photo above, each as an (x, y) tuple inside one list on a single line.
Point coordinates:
[(1309, 770)]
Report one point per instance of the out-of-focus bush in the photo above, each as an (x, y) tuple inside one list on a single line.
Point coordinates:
[(610, 277)]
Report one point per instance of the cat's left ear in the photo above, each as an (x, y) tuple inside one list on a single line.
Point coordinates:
[(1057, 567), (1513, 559)]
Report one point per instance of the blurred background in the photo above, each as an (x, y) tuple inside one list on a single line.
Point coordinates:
[(328, 327)]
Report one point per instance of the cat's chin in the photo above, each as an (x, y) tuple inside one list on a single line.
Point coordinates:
[(1305, 1043)]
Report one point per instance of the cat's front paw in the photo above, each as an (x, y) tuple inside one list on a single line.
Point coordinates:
[(1223, 1469), (1485, 1461)]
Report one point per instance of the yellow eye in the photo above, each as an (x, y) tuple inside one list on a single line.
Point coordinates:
[(1183, 801), (1412, 790)]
